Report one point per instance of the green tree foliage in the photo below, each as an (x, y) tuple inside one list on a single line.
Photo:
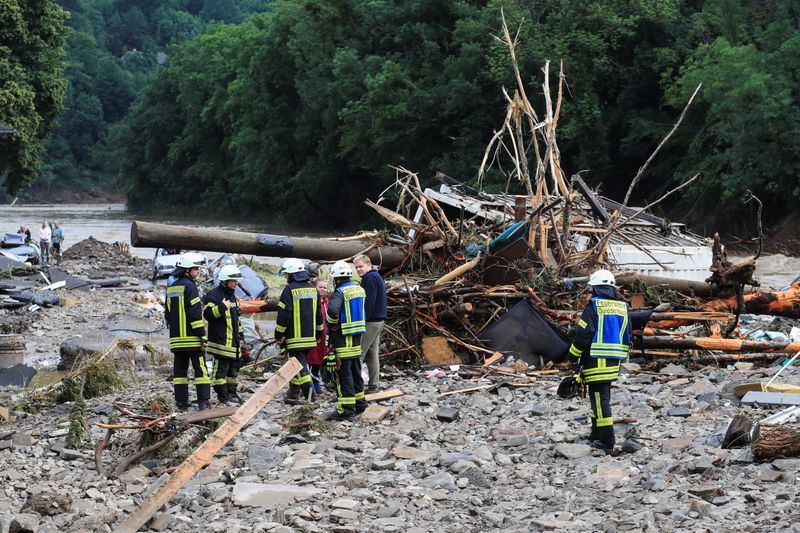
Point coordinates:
[(31, 84), (113, 47)]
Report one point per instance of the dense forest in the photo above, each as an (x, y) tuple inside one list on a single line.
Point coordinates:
[(293, 109)]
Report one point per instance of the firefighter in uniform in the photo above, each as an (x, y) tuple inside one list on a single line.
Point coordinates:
[(221, 310), (298, 326), (183, 313), (346, 324), (600, 346)]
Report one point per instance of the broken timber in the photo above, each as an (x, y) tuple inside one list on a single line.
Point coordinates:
[(783, 303), (148, 234), (714, 343), (203, 454)]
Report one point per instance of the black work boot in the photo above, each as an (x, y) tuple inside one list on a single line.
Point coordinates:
[(202, 405), (222, 394), (233, 394), (293, 395)]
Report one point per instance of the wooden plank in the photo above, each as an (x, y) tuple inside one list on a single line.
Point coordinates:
[(205, 452), (497, 356), (436, 351), (741, 390), (384, 395)]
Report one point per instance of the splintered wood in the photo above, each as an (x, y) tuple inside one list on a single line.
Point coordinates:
[(204, 454)]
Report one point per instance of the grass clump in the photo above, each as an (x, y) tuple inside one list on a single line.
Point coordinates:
[(304, 421)]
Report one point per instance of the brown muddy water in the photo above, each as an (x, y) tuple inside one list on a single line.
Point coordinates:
[(112, 222)]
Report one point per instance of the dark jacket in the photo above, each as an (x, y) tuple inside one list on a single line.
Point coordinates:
[(375, 302), (224, 327), (184, 315), (604, 336), (299, 316)]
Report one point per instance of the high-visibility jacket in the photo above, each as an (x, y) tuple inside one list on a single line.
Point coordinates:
[(346, 320), (224, 327), (183, 312), (299, 316), (604, 336)]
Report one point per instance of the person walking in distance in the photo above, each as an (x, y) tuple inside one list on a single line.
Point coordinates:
[(221, 311), (57, 239), (44, 241), (346, 324), (375, 315), (601, 344), (184, 315), (298, 326)]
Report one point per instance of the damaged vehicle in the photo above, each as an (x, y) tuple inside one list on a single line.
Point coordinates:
[(166, 258)]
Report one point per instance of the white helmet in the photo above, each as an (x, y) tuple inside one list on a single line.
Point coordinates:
[(602, 277), (341, 269), (229, 272), (191, 260), (292, 266)]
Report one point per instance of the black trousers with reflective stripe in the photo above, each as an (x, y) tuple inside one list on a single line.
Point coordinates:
[(350, 387), (302, 380), (180, 376), (226, 372), (602, 419)]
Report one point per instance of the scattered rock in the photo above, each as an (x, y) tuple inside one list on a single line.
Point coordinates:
[(447, 414), (270, 496), (573, 451)]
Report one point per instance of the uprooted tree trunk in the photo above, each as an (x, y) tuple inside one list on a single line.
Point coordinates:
[(781, 303), (772, 441)]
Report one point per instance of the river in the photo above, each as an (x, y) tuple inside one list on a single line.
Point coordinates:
[(111, 222)]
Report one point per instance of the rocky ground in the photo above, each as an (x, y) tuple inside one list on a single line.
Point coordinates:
[(507, 462)]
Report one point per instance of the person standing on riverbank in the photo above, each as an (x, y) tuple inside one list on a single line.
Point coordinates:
[(184, 315), (375, 314), (44, 241), (57, 239)]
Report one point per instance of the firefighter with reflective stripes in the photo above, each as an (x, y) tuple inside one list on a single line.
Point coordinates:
[(221, 310), (299, 325), (600, 346), (346, 324), (184, 315)]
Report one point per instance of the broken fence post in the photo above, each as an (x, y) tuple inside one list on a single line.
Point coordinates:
[(203, 454)]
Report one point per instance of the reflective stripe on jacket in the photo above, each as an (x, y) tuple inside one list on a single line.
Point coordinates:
[(604, 336), (224, 326), (348, 312), (183, 313), (299, 317)]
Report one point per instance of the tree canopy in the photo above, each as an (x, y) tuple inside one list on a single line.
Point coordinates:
[(267, 118), (294, 109), (31, 84)]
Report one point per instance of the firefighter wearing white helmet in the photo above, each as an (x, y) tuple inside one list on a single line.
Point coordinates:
[(602, 277), (601, 344), (221, 310), (299, 325), (346, 323), (184, 314)]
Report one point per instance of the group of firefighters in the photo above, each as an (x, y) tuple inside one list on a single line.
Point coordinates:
[(600, 345), (299, 327)]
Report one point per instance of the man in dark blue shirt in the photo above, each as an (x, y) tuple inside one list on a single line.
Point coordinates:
[(375, 314)]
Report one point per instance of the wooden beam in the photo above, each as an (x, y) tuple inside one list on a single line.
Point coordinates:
[(384, 395), (594, 202), (205, 453)]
